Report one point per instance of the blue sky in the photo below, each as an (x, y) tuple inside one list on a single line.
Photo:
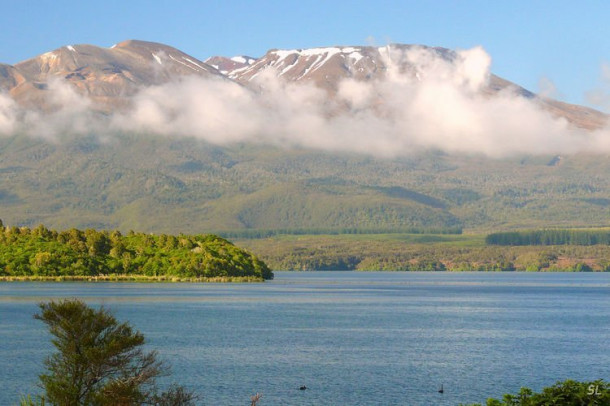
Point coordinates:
[(561, 43)]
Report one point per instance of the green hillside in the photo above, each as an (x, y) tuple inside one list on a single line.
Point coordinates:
[(178, 185)]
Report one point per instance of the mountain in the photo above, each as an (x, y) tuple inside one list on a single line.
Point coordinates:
[(172, 181), (10, 77), (109, 76), (226, 65), (106, 75), (326, 67)]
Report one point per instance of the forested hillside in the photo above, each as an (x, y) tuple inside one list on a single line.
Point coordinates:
[(165, 185)]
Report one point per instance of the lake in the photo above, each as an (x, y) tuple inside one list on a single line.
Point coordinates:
[(353, 338)]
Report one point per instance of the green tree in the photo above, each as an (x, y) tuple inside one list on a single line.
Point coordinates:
[(582, 267), (100, 361), (566, 393)]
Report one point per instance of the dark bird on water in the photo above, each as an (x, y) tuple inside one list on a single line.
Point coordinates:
[(302, 387), (441, 389)]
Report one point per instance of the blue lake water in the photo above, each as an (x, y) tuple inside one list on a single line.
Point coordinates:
[(352, 338)]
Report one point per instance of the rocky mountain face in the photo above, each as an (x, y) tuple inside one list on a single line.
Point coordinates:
[(228, 65), (10, 77), (109, 76), (106, 75), (326, 67)]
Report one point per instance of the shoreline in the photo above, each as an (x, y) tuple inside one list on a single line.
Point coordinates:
[(131, 278)]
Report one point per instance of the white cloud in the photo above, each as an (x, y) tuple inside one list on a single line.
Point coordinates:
[(472, 68), (436, 103), (8, 111), (605, 72), (600, 96), (546, 88), (69, 113), (216, 110)]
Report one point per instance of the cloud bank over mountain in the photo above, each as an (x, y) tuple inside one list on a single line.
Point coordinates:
[(7, 114), (424, 100), (600, 96)]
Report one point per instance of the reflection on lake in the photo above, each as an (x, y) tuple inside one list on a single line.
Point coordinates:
[(351, 338)]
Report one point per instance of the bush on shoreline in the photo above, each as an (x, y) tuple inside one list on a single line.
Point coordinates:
[(566, 393)]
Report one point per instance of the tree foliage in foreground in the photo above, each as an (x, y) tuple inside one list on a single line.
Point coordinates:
[(100, 361), (567, 393), (49, 253)]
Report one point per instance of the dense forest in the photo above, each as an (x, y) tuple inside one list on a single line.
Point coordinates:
[(265, 233), (550, 237), (41, 253), (180, 185)]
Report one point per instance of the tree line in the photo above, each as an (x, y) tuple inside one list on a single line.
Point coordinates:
[(423, 253), (41, 252), (550, 237), (265, 233)]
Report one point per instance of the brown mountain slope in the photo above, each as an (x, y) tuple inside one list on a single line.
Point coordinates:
[(106, 75), (9, 77), (226, 65)]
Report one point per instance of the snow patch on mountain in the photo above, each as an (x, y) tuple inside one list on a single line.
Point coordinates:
[(183, 63), (314, 59), (157, 58), (193, 62), (243, 60)]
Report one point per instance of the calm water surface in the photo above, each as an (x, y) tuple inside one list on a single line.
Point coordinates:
[(351, 338)]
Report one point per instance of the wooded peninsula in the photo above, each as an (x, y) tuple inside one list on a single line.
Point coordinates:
[(43, 254)]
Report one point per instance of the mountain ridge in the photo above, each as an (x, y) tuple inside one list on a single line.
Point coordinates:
[(109, 75), (105, 75), (363, 62)]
